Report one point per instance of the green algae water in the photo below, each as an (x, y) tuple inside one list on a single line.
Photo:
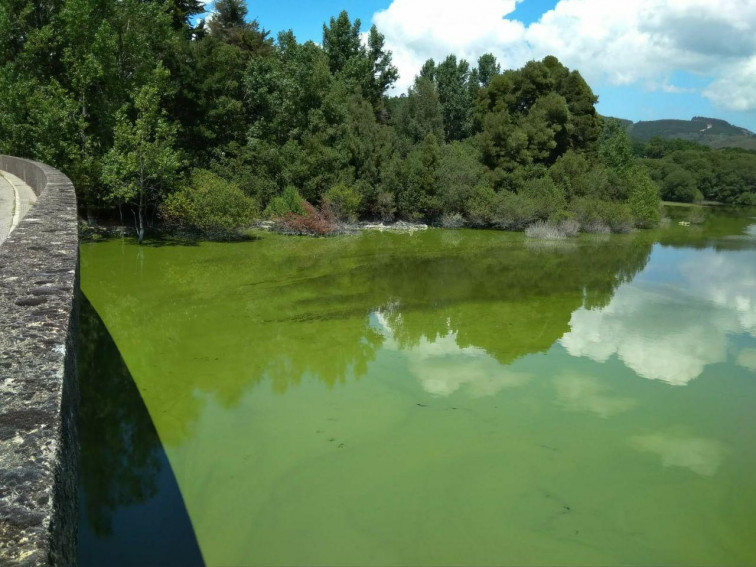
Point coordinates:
[(436, 398)]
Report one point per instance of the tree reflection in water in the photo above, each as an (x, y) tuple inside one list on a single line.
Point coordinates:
[(131, 510)]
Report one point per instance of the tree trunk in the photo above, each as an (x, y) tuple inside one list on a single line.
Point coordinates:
[(140, 227)]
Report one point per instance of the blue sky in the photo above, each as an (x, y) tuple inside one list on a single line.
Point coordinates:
[(646, 59)]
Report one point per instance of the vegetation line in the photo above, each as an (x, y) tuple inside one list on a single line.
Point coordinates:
[(205, 127)]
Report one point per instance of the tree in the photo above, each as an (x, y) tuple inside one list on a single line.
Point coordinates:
[(368, 68), (421, 112), (382, 73), (488, 68), (644, 199), (341, 41), (452, 81), (143, 164), (616, 149), (230, 25), (182, 12)]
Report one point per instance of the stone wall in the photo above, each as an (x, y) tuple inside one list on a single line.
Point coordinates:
[(38, 380)]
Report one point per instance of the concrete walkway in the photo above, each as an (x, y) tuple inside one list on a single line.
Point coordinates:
[(16, 198)]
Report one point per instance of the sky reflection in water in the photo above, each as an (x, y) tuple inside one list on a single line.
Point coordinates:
[(449, 397)]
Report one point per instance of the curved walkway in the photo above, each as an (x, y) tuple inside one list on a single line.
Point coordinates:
[(16, 198)]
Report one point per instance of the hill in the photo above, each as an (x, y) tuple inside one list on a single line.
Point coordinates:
[(711, 132)]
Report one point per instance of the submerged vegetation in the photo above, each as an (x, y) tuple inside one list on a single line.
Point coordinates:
[(208, 125)]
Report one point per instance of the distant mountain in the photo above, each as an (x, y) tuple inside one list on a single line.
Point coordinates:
[(708, 131)]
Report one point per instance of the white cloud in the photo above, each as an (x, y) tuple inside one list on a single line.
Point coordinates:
[(661, 335), (650, 334), (585, 394), (417, 30), (736, 88), (702, 456), (620, 43), (443, 367), (728, 282)]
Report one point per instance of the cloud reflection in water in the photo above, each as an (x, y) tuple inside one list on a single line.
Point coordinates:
[(443, 367), (671, 333), (702, 456)]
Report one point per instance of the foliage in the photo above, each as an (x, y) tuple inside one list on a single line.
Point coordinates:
[(124, 95), (688, 172), (709, 132), (312, 222), (480, 207), (643, 200), (210, 205), (288, 202), (143, 162), (545, 231), (344, 201)]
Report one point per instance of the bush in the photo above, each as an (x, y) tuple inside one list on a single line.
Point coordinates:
[(570, 227), (288, 202), (644, 199), (344, 201), (599, 216), (210, 205), (680, 185), (618, 216), (515, 211), (312, 222), (453, 220), (545, 231), (545, 197), (481, 206), (459, 172), (385, 206)]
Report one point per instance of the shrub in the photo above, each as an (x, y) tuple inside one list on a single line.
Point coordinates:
[(569, 173), (596, 227), (545, 231), (459, 172), (312, 222), (570, 227), (545, 197), (344, 201), (515, 211), (481, 206), (290, 201), (600, 216), (385, 206), (210, 205), (680, 185), (453, 220), (643, 199), (746, 199)]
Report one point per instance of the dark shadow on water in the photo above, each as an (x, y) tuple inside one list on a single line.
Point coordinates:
[(131, 510), (168, 240)]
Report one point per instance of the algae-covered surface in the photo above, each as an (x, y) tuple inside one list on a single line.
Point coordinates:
[(436, 398)]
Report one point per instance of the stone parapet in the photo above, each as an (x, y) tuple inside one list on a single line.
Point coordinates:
[(38, 380)]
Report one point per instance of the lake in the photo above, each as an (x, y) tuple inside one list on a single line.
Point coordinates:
[(437, 398)]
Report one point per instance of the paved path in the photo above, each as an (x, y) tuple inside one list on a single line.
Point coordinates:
[(16, 198)]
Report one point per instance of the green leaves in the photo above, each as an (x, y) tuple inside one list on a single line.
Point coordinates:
[(143, 164)]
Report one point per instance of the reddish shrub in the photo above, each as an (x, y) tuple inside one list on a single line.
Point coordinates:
[(313, 222)]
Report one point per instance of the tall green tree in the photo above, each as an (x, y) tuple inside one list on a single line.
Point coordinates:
[(452, 78), (368, 68), (143, 164), (421, 112)]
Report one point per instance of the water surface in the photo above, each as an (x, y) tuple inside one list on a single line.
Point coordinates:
[(446, 397)]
